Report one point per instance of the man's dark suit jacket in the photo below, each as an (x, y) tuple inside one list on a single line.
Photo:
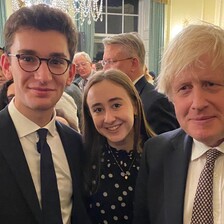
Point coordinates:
[(160, 187), (18, 199), (158, 110)]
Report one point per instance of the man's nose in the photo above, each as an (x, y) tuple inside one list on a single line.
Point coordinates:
[(199, 99), (43, 73)]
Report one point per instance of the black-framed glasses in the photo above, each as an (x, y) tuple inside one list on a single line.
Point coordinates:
[(111, 61), (31, 63)]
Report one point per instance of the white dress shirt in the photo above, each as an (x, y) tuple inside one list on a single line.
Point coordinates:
[(26, 130), (198, 159)]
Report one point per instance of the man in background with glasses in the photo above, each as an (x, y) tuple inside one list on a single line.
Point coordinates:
[(84, 70), (126, 52), (39, 45)]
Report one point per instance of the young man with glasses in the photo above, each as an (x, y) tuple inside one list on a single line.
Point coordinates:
[(39, 46), (126, 52)]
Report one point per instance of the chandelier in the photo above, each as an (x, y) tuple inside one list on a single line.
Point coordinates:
[(81, 10)]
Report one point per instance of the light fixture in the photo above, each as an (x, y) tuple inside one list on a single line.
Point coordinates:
[(81, 10), (88, 9)]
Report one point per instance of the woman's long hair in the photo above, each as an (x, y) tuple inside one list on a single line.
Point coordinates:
[(93, 140)]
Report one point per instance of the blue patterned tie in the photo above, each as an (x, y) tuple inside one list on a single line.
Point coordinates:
[(50, 201), (203, 202)]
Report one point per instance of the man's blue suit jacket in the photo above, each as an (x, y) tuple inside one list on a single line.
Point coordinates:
[(160, 187)]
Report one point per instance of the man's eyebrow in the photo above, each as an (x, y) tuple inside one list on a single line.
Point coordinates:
[(27, 51), (32, 52), (57, 54)]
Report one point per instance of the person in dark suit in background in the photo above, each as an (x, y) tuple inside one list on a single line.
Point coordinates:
[(127, 52), (172, 163), (39, 45)]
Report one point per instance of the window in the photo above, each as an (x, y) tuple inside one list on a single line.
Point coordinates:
[(119, 16)]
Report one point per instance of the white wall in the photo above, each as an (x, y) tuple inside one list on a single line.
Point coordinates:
[(180, 13), (8, 5)]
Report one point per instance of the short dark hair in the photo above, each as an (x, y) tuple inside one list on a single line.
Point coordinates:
[(41, 17)]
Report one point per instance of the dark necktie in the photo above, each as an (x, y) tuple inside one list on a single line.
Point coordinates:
[(203, 201), (50, 201)]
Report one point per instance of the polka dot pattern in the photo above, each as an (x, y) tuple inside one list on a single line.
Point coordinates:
[(203, 204), (113, 201)]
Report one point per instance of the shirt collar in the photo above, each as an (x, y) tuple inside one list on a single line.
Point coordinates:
[(136, 80), (89, 76), (198, 149), (25, 126)]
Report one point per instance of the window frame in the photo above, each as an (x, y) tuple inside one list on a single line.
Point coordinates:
[(99, 36)]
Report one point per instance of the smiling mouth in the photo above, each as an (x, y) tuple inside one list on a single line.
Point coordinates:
[(41, 92), (203, 118), (41, 89), (114, 128)]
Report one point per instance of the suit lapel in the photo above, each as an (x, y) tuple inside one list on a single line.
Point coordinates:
[(141, 83), (175, 175), (12, 151)]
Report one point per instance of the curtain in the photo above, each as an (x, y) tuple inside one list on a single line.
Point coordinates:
[(86, 36), (161, 1), (2, 21), (156, 35)]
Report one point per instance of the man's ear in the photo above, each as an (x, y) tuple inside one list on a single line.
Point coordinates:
[(71, 74), (5, 65), (135, 62)]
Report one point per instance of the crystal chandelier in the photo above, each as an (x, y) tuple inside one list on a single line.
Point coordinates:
[(81, 10), (88, 9)]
